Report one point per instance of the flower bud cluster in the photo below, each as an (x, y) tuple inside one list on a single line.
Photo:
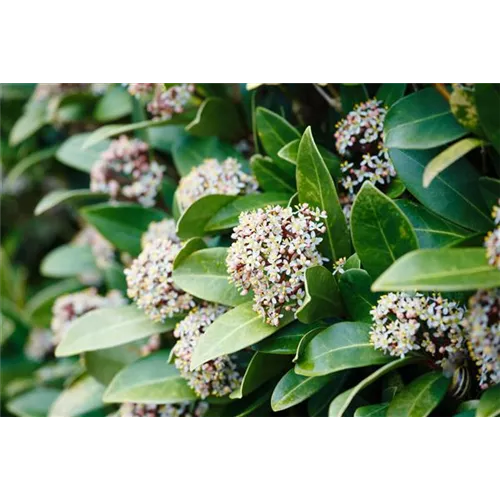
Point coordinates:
[(164, 229), (195, 409), (492, 241)]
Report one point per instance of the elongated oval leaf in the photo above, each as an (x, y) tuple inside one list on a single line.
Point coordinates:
[(36, 116), (269, 177), (193, 221), (149, 380), (34, 403), (71, 152), (489, 404), (355, 287), (55, 198), (421, 120), (238, 328), (315, 186), (204, 275), (114, 104), (68, 260), (381, 233), (122, 224), (444, 269), (339, 347), (378, 410), (488, 104), (454, 194), (389, 93), (190, 246), (26, 163), (419, 398), (110, 327), (491, 190)]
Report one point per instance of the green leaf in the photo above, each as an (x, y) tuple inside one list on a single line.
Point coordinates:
[(443, 269), (122, 224), (491, 190), (395, 189), (227, 217), (204, 275), (290, 151), (39, 308), (322, 299), (114, 104), (190, 246), (420, 397), (55, 198), (236, 329), (115, 277), (352, 262), (340, 404), (269, 176), (379, 410), (339, 347), (317, 405), (432, 231), (166, 137), (71, 152), (104, 364), (110, 327), (274, 133), (381, 233), (68, 260), (34, 118), (257, 404), (389, 93), (454, 193), (149, 380), (305, 340), (355, 288), (488, 106), (82, 397), (26, 163), (421, 120), (35, 403), (193, 221), (262, 367), (449, 156), (489, 404), (315, 186), (352, 94), (287, 340), (292, 389), (218, 117)]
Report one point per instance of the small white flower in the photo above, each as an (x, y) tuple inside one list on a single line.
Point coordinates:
[(194, 409), (156, 230), (492, 240)]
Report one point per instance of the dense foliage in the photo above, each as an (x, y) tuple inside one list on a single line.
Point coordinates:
[(250, 250)]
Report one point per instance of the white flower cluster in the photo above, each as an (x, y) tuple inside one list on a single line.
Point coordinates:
[(218, 377), (40, 345), (71, 306), (141, 89), (164, 229), (404, 323), (170, 102), (483, 327), (492, 241), (360, 140), (195, 409), (102, 250), (274, 246), (125, 172), (150, 284), (212, 177)]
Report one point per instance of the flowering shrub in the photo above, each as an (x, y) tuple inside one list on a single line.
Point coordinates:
[(254, 250)]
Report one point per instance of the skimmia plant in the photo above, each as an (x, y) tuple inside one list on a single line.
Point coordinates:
[(251, 250)]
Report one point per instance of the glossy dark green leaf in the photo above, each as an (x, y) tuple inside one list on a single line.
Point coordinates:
[(420, 397), (287, 340), (488, 108), (166, 137), (34, 403), (114, 104), (466, 413), (339, 347), (217, 117), (190, 246), (489, 404), (254, 405), (122, 224), (352, 94), (352, 262), (149, 380), (110, 327), (432, 231), (378, 410), (317, 404), (421, 120), (454, 194), (236, 329), (68, 260), (262, 367), (322, 299), (35, 117), (389, 93), (193, 221), (491, 190), (204, 275), (395, 189), (443, 269), (315, 186), (227, 217), (292, 389), (269, 176), (55, 198), (71, 152), (355, 288), (381, 233)]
